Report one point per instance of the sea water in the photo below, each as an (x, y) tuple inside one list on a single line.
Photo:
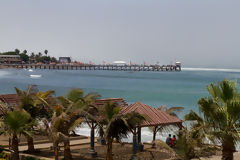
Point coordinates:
[(183, 88)]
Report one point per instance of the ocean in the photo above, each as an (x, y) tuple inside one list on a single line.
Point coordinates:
[(183, 88)]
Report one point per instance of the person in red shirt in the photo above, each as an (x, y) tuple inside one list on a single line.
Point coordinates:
[(173, 141)]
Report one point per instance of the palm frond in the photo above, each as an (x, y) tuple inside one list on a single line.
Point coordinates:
[(16, 121), (76, 123), (91, 97), (193, 116), (75, 94)]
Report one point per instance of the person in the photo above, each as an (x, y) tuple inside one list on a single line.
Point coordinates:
[(173, 141), (168, 139)]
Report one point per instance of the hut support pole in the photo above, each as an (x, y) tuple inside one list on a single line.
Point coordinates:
[(92, 152), (140, 145), (134, 156), (139, 135)]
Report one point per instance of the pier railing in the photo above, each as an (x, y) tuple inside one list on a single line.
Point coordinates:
[(97, 67)]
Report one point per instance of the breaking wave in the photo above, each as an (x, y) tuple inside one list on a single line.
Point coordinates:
[(147, 135), (211, 69)]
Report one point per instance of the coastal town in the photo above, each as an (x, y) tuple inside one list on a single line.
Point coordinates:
[(15, 59)]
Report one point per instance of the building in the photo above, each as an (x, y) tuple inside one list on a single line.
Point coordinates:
[(10, 59), (119, 63), (178, 63), (64, 60)]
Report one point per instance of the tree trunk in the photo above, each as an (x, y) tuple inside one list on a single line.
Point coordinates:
[(154, 133), (55, 150), (109, 149), (67, 151), (15, 153), (227, 150), (154, 137), (9, 143), (31, 148)]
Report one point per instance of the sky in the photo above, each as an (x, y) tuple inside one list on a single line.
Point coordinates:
[(204, 33)]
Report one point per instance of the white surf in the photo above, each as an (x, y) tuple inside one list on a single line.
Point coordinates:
[(35, 75)]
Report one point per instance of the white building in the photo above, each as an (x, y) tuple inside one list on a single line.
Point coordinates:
[(119, 63), (10, 59)]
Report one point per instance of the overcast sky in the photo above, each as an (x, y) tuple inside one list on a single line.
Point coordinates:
[(195, 32)]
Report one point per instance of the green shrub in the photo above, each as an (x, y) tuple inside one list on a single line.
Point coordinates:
[(186, 145)]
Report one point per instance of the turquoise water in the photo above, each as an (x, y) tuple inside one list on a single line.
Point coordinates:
[(153, 88)]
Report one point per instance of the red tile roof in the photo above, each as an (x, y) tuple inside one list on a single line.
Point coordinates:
[(10, 99), (155, 117), (2, 110)]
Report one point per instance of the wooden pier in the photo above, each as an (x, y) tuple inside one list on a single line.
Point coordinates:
[(96, 67)]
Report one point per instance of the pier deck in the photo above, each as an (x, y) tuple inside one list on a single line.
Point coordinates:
[(96, 67)]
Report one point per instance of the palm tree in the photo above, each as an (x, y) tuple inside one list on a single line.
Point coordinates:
[(34, 102), (17, 51), (54, 129), (118, 126), (25, 51), (186, 144), (221, 115), (46, 52), (32, 57), (39, 54), (198, 128), (16, 123), (75, 108)]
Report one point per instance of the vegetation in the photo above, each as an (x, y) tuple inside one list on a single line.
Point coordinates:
[(71, 113), (16, 123), (220, 120), (3, 154), (33, 101), (32, 58)]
